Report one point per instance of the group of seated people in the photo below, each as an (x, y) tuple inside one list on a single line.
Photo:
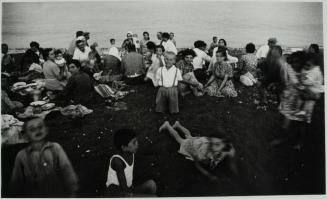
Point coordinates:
[(71, 76)]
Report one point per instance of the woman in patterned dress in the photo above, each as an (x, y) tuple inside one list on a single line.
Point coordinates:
[(220, 83)]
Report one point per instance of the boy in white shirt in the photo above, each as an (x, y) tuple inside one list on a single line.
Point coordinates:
[(168, 77)]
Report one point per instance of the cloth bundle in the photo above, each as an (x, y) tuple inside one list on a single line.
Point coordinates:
[(11, 129), (74, 111)]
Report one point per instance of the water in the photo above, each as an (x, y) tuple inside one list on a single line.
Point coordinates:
[(53, 24)]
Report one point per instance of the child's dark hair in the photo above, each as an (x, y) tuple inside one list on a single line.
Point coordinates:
[(161, 46), (57, 52), (122, 137), (199, 44), (250, 48), (112, 40), (145, 32), (315, 47), (165, 35), (151, 45)]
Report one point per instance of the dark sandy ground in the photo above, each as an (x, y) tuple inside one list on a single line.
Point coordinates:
[(263, 170)]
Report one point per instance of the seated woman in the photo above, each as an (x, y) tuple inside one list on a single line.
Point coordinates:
[(220, 83), (79, 86), (189, 83), (230, 59), (248, 66), (55, 77)]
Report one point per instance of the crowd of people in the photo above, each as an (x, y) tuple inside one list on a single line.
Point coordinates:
[(70, 76)]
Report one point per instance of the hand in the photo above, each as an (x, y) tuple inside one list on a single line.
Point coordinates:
[(200, 86)]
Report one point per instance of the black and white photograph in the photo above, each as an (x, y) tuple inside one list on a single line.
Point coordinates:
[(163, 98)]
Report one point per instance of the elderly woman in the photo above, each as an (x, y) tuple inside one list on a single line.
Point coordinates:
[(55, 76), (189, 83), (220, 83)]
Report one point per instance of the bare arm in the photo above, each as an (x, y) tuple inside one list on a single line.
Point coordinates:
[(212, 78)]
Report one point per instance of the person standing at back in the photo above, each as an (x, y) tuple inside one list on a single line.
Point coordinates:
[(168, 44), (172, 38), (199, 60), (263, 50), (72, 45)]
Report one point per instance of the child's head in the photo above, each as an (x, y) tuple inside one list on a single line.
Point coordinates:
[(200, 45), (165, 36), (310, 61), (250, 48), (151, 46), (35, 130), (74, 66), (58, 54), (160, 49), (170, 59), (125, 140), (112, 41)]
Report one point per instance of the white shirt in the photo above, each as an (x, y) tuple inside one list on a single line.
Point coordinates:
[(114, 52), (166, 79), (82, 56), (201, 56), (169, 46), (262, 51), (112, 175)]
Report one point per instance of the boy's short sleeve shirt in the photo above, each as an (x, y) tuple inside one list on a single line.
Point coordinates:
[(169, 76)]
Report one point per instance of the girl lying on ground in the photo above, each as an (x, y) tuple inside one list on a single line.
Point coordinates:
[(208, 151)]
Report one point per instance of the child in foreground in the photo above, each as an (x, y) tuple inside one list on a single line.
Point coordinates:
[(121, 166), (208, 151), (168, 78), (42, 169), (311, 81)]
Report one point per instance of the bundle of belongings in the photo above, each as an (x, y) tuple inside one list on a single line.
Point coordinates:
[(106, 91), (74, 111), (11, 130)]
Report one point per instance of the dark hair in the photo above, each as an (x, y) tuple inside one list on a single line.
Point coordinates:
[(34, 44), (214, 37), (223, 51), (199, 44), (46, 52), (151, 45), (57, 52), (145, 32), (315, 47), (165, 35), (188, 52), (79, 33), (161, 46), (225, 43), (111, 40), (77, 63), (312, 57), (131, 48), (250, 48), (122, 137)]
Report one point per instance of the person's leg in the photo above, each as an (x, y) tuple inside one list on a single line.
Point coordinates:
[(172, 131), (161, 100), (173, 100), (148, 187), (184, 130)]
